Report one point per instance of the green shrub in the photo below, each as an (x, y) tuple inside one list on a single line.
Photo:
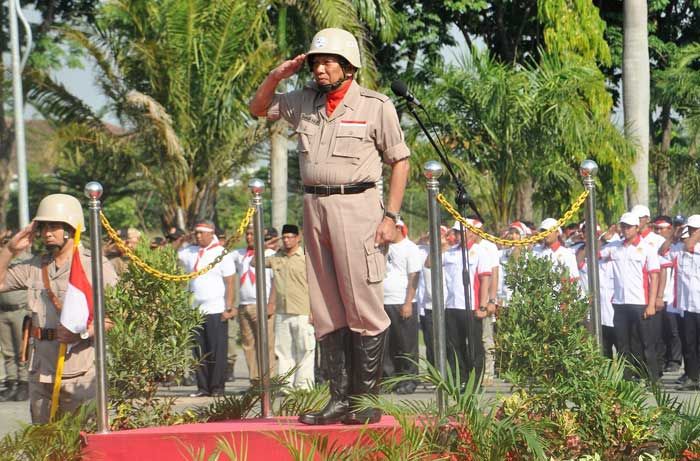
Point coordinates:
[(60, 440), (584, 404), (152, 338)]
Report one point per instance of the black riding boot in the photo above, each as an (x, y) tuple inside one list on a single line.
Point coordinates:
[(367, 357), (336, 354)]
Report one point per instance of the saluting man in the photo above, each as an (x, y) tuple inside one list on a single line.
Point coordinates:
[(46, 279), (344, 132)]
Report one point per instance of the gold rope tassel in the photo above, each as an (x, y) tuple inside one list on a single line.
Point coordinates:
[(60, 360)]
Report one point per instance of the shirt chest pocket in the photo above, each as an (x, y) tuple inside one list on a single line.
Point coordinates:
[(349, 140), (306, 134)]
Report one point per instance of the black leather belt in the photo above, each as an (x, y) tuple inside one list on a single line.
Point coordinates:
[(43, 334), (342, 189), (12, 307)]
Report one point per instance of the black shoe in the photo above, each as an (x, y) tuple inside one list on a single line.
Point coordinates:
[(689, 385), (10, 391), (682, 380), (367, 357), (672, 367), (406, 388), (336, 355), (200, 394), (22, 392)]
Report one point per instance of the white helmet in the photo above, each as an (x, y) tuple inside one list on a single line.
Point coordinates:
[(61, 208), (336, 41)]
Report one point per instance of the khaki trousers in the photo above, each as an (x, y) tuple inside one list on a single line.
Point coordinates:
[(74, 392), (233, 337), (294, 346), (248, 319), (344, 269), (11, 344), (489, 345)]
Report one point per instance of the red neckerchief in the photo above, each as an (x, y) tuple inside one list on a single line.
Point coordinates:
[(334, 97), (555, 246), (249, 273), (635, 241), (646, 232), (201, 252)]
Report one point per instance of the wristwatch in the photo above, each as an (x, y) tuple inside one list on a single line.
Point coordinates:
[(492, 301), (390, 214), (483, 308), (85, 334)]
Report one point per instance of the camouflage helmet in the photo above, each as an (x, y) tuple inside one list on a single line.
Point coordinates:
[(61, 208), (336, 41)]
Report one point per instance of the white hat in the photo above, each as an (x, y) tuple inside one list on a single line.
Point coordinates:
[(548, 224), (474, 223), (522, 229), (694, 221), (640, 211), (630, 218), (685, 233)]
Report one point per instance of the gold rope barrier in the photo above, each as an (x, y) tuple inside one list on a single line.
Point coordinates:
[(172, 277), (523, 242)]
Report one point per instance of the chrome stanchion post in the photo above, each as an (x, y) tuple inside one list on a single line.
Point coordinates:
[(257, 187), (93, 191), (432, 171), (588, 171)]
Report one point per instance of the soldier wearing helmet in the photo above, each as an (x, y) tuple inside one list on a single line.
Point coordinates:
[(45, 277), (345, 132)]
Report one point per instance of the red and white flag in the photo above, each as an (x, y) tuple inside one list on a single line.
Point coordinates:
[(77, 310)]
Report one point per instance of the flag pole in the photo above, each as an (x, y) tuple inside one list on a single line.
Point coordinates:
[(62, 348)]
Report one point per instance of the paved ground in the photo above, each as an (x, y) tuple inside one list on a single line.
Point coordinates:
[(14, 414)]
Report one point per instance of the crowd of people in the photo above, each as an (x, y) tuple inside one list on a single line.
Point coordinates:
[(649, 274)]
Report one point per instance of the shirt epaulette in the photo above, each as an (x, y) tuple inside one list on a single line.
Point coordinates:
[(373, 94)]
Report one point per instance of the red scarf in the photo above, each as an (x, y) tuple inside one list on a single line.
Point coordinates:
[(201, 252), (249, 273), (334, 97)]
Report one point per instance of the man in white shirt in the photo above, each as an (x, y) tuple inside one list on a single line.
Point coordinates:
[(213, 295), (404, 262), (552, 248), (670, 348), (491, 252), (687, 263), (479, 278), (635, 269), (244, 260)]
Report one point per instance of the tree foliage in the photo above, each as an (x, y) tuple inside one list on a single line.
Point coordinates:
[(532, 124), (177, 75)]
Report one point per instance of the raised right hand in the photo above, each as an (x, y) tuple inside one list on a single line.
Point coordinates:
[(22, 240), (289, 67)]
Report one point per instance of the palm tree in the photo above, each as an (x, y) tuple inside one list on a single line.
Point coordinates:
[(636, 94), (177, 75), (529, 126)]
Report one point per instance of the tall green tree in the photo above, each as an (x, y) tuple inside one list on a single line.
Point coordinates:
[(177, 75), (672, 26), (527, 125), (49, 52)]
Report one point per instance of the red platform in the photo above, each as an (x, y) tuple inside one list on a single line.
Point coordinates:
[(255, 437)]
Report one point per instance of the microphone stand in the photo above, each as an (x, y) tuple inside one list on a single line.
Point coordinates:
[(462, 199)]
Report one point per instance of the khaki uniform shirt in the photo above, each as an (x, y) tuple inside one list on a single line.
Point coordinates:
[(290, 282), (81, 357), (349, 146)]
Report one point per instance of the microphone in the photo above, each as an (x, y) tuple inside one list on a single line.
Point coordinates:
[(400, 89)]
